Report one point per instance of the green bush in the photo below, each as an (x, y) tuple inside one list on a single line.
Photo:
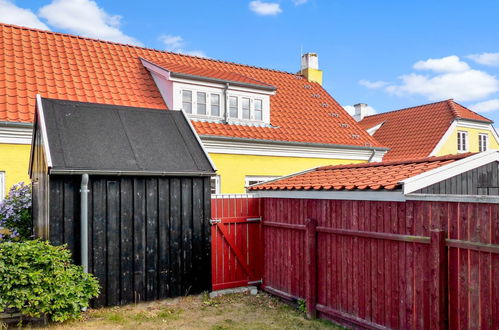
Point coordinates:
[(38, 279)]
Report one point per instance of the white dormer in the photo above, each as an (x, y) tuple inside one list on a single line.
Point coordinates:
[(211, 95)]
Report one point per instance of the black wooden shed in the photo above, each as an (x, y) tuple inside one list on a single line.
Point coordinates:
[(147, 196)]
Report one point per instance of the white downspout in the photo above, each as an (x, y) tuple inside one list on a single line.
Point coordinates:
[(84, 221)]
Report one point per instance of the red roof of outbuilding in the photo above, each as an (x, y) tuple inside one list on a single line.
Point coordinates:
[(374, 176), (414, 132), (67, 67)]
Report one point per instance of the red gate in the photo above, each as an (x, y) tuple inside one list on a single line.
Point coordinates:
[(236, 241)]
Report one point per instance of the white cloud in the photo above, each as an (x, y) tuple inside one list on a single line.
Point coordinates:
[(172, 42), (462, 86), (265, 8), (351, 110), (444, 64), (372, 84), (491, 59), (86, 18), (486, 106), (176, 44), (11, 14)]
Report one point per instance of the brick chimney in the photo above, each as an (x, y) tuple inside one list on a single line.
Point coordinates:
[(310, 67), (360, 111)]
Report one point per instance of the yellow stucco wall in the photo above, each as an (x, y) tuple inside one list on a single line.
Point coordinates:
[(450, 146), (234, 168), (14, 159)]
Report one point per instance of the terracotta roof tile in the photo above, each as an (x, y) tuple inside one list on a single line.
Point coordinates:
[(373, 176), (414, 132), (81, 69)]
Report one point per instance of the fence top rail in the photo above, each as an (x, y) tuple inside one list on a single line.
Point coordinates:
[(233, 196)]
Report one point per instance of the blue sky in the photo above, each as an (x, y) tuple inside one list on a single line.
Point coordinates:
[(388, 54)]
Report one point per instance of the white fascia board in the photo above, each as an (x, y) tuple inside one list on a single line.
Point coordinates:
[(443, 139), (279, 150), (454, 198), (448, 171), (198, 139), (364, 195), (43, 129), (15, 134), (373, 129)]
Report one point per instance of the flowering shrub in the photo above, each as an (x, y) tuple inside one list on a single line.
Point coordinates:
[(15, 213)]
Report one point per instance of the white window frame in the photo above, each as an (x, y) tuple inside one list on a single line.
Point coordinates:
[(192, 100), (240, 113), (2, 185), (216, 178), (483, 142), (462, 141), (194, 103), (259, 178)]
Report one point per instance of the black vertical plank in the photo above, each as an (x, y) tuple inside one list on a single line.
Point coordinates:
[(206, 277), (474, 180), (495, 175), (469, 182), (113, 243), (197, 234), (70, 232), (139, 236), (151, 238), (164, 237), (186, 235), (56, 222), (100, 238), (464, 183), (175, 237), (126, 233), (454, 185), (459, 189)]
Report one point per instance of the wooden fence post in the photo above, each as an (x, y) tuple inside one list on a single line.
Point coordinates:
[(311, 267), (438, 280)]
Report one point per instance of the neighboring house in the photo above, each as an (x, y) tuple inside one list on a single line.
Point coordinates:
[(435, 129), (255, 123)]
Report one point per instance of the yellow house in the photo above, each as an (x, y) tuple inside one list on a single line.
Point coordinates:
[(255, 123), (435, 129)]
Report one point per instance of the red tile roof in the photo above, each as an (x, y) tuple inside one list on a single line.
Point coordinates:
[(414, 132), (373, 176), (63, 66)]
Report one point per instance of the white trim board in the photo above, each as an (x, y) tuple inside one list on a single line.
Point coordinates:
[(279, 150), (43, 129), (15, 135), (448, 171), (370, 195)]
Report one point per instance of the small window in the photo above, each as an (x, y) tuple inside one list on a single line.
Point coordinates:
[(258, 110), (462, 141), (187, 101), (251, 180), (201, 103), (233, 106), (482, 142), (215, 184), (246, 108), (215, 105), (2, 186)]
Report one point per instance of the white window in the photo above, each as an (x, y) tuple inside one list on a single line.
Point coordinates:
[(187, 101), (215, 184), (215, 104), (233, 107), (258, 109), (246, 108), (482, 142), (251, 179), (201, 103), (462, 141), (2, 185)]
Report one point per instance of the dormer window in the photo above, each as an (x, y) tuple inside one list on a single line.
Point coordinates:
[(215, 104), (233, 106), (258, 109), (201, 103), (187, 101)]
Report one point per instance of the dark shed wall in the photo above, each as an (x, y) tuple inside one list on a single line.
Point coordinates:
[(149, 237), (483, 180)]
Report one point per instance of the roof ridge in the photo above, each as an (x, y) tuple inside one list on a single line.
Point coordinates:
[(452, 107), (407, 108), (141, 47), (398, 162)]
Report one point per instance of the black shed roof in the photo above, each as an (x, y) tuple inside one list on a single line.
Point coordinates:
[(109, 139)]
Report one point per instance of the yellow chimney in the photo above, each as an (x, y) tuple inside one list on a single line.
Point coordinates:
[(310, 67)]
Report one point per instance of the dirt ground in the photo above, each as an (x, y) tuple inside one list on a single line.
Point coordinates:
[(237, 311)]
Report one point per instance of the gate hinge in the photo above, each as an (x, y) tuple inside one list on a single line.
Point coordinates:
[(214, 221), (255, 282), (254, 219)]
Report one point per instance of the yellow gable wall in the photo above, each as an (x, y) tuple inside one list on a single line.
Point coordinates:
[(14, 159), (450, 146), (234, 168)]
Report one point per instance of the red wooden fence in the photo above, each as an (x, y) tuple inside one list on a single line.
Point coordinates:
[(412, 265), (236, 241)]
